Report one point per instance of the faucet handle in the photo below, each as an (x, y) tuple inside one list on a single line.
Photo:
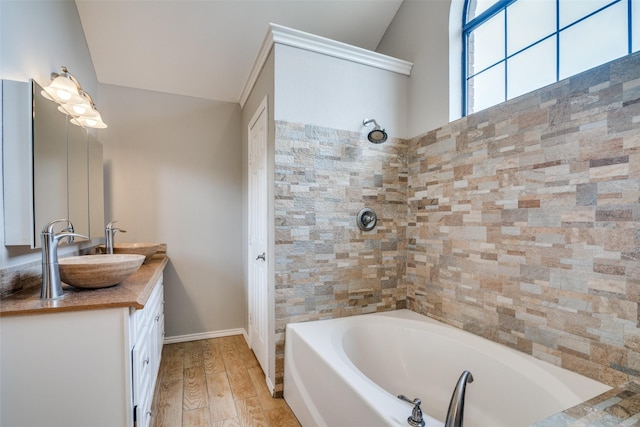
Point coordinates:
[(49, 227), (69, 236), (110, 227), (415, 419)]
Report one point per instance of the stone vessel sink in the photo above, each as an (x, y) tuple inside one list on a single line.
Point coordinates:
[(146, 249), (98, 271)]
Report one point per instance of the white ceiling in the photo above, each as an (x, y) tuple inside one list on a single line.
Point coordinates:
[(205, 48)]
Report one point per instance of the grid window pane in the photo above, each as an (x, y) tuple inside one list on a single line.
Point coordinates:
[(532, 68), (572, 10), (594, 41), (529, 21), (476, 7), (486, 89), (486, 44)]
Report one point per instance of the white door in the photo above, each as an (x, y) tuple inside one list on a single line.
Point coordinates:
[(258, 236)]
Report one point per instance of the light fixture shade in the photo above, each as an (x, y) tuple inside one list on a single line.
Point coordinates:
[(89, 122), (73, 100), (84, 108), (62, 90)]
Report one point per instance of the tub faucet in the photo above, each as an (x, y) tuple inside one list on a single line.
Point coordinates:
[(110, 231), (415, 419), (51, 286), (455, 413)]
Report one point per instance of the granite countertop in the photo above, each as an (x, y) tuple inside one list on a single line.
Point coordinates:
[(132, 292)]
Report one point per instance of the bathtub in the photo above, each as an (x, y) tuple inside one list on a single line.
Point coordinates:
[(348, 371)]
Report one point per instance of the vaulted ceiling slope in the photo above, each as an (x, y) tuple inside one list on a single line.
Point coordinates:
[(205, 48)]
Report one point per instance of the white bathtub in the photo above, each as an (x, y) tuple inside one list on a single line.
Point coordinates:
[(348, 371)]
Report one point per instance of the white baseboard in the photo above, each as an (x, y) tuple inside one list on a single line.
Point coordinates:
[(206, 335)]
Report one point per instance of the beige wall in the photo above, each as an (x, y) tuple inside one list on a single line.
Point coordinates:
[(325, 91), (420, 33), (173, 174)]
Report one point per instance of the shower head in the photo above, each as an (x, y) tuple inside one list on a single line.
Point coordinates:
[(377, 135)]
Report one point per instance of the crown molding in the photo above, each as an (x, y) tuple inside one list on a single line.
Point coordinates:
[(290, 37)]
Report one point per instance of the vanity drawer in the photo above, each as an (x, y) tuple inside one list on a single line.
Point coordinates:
[(139, 320)]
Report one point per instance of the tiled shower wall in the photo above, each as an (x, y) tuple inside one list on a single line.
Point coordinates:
[(523, 223), (326, 267)]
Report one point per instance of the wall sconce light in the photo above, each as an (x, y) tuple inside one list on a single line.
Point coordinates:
[(74, 101)]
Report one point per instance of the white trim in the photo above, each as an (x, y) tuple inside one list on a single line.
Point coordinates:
[(262, 107), (263, 54), (205, 336), (290, 37)]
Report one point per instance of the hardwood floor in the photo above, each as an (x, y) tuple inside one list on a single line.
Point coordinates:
[(215, 383)]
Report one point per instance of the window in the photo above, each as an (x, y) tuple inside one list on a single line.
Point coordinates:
[(511, 47)]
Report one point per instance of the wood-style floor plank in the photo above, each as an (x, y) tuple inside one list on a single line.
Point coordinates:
[(193, 354), (197, 418), (231, 422), (216, 382), (172, 363), (195, 389), (250, 413), (168, 412), (221, 403), (259, 382), (213, 362)]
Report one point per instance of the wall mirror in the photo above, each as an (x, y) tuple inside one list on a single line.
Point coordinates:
[(52, 168)]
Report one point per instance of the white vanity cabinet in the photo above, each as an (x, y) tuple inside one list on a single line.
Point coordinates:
[(81, 368), (147, 332)]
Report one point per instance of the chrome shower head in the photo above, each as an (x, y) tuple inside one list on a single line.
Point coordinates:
[(377, 135)]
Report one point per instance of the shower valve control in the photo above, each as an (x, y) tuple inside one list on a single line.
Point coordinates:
[(366, 219), (415, 419)]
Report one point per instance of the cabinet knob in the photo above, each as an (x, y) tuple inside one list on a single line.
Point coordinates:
[(145, 361), (157, 317)]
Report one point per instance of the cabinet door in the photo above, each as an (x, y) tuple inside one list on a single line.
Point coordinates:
[(96, 189), (142, 380), (17, 171), (77, 182), (50, 163)]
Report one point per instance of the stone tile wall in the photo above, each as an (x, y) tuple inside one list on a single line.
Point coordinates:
[(523, 223), (325, 266)]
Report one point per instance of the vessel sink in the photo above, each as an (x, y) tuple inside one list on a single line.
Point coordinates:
[(98, 271), (146, 249)]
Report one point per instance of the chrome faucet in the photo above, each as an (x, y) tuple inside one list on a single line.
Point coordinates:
[(51, 286), (455, 413), (415, 420), (110, 231)]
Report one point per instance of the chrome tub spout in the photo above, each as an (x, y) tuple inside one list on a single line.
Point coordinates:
[(455, 413)]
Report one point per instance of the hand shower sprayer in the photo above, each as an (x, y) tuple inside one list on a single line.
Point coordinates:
[(377, 135)]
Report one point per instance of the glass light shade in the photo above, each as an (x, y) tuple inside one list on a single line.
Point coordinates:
[(89, 122), (63, 90), (84, 109)]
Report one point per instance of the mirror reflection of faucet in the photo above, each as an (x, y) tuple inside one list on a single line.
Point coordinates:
[(51, 285), (110, 231)]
